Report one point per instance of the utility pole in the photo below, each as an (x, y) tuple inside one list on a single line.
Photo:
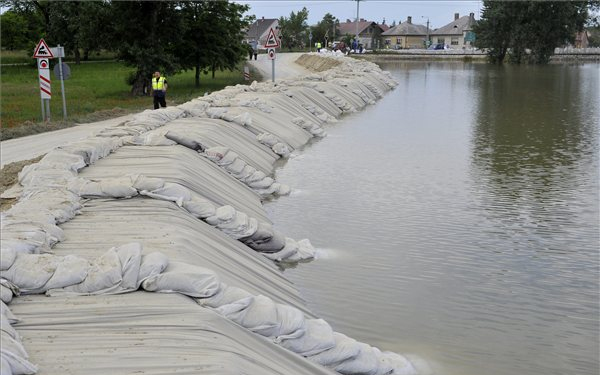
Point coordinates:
[(427, 40), (357, 13)]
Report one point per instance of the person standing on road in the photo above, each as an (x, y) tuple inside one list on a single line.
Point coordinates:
[(159, 90)]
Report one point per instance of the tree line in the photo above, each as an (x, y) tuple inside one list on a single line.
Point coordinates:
[(170, 36), (528, 31)]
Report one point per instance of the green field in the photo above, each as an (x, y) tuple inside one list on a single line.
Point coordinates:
[(94, 88)]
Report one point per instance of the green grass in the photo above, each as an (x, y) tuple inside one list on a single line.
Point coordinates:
[(24, 57), (93, 88)]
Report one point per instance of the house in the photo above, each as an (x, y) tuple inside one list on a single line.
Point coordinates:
[(457, 34), (581, 39), (369, 32), (406, 35), (259, 30)]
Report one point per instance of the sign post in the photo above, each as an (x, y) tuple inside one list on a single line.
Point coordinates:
[(271, 44), (43, 54), (60, 53)]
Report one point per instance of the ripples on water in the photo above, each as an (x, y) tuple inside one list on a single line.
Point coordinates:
[(457, 219)]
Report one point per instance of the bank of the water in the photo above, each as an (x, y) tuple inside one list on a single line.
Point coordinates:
[(458, 218)]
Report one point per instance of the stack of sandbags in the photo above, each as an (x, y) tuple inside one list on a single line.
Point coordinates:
[(256, 234), (14, 360), (143, 122), (257, 180)]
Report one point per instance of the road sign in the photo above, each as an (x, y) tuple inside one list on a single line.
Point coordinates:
[(272, 41), (271, 53), (42, 50), (66, 71), (45, 84), (43, 64)]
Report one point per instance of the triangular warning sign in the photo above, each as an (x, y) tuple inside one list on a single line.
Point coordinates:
[(272, 41), (42, 50)]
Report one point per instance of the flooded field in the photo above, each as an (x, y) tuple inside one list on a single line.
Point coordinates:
[(457, 219)]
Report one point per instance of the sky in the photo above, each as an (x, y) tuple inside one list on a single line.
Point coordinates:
[(439, 12)]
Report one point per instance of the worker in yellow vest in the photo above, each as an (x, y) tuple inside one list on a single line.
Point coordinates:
[(159, 90), (318, 46)]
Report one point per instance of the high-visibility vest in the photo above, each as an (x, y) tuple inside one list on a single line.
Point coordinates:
[(318, 44), (158, 83)]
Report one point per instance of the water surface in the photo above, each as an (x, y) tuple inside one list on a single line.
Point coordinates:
[(457, 219)]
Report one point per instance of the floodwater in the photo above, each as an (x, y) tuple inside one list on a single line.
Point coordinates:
[(457, 219)]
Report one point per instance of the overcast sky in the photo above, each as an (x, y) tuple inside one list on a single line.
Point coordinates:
[(439, 12)]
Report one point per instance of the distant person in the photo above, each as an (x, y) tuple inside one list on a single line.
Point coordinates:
[(318, 46), (354, 45), (159, 90), (250, 51), (254, 45)]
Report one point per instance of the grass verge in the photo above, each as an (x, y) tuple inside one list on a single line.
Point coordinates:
[(95, 91)]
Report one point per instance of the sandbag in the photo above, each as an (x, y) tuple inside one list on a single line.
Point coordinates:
[(345, 348), (141, 182), (104, 276), (193, 281), (31, 271), (366, 362), (7, 258), (14, 356), (185, 141), (170, 192), (200, 207), (260, 316), (317, 338), (273, 244), (226, 295), (70, 270), (151, 265)]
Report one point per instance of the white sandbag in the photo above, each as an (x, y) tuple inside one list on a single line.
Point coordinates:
[(345, 348), (267, 139), (237, 166), (6, 294), (184, 141), (305, 251), (366, 362), (71, 161), (36, 176), (292, 322), (118, 187), (84, 187), (5, 311), (216, 153), (7, 327), (151, 265), (226, 295), (254, 177), (246, 172), (281, 149), (227, 159), (141, 182), (170, 192), (245, 119), (200, 207), (268, 191), (31, 271), (290, 248), (273, 244), (261, 184), (190, 280), (260, 316), (14, 355), (222, 214), (401, 364), (284, 190), (130, 257), (317, 338), (235, 306), (7, 258), (104, 276), (70, 270)]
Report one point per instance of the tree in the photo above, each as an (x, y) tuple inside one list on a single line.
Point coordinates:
[(146, 34), (212, 36), (325, 27), (79, 25), (528, 31), (293, 29), (14, 31)]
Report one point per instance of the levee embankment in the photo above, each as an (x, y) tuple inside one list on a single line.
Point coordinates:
[(146, 249)]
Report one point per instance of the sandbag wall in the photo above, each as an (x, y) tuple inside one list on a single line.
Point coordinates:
[(228, 128)]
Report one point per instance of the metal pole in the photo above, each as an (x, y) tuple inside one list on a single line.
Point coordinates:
[(62, 82), (48, 110), (357, 2), (273, 70), (43, 109)]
